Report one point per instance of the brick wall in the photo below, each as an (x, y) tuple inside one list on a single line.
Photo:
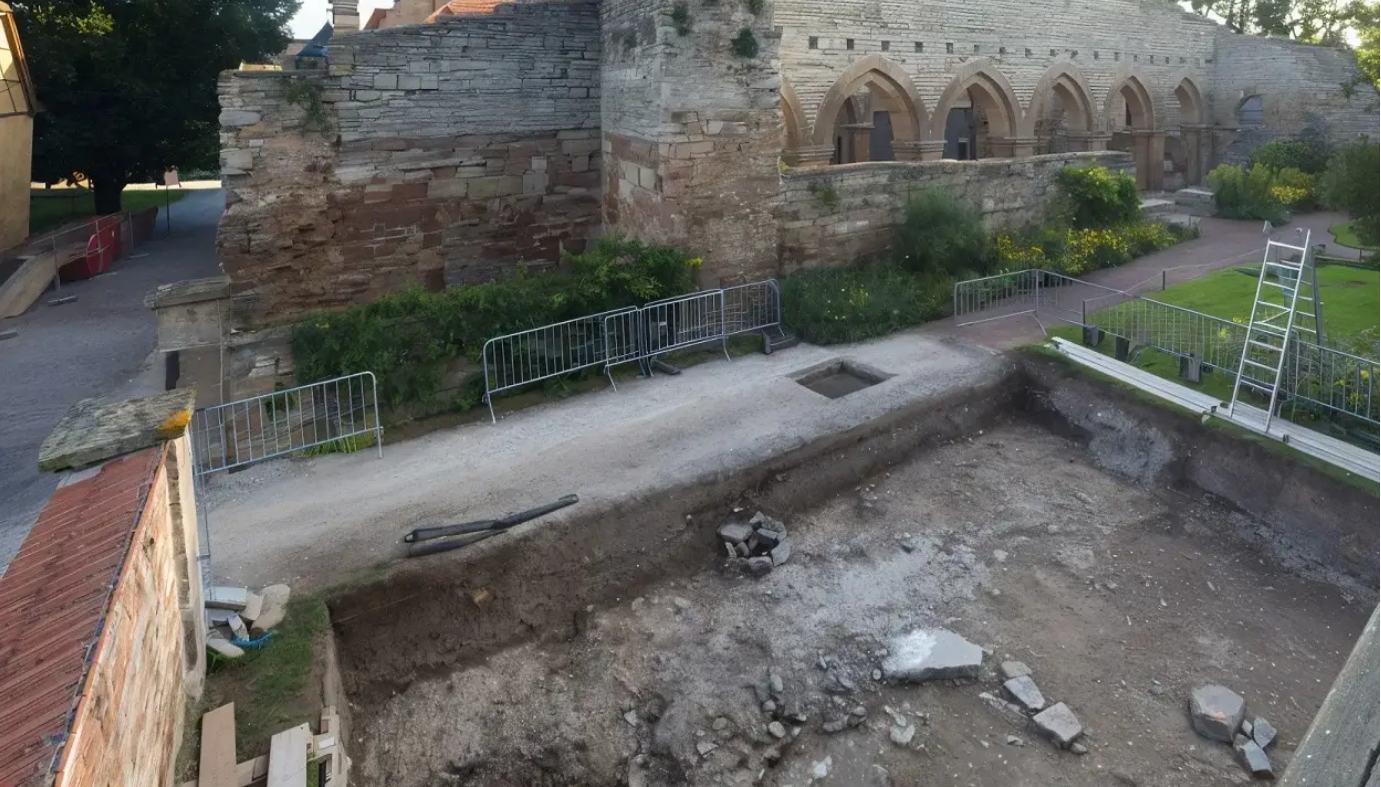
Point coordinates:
[(871, 196), (453, 150), (150, 656)]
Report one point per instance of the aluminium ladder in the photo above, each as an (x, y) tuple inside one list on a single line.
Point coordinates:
[(1272, 324)]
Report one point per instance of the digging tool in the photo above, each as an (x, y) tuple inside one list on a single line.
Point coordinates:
[(487, 527)]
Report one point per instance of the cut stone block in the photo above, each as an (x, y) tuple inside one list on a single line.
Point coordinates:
[(1253, 758), (93, 431), (1014, 669), (1024, 691), (735, 532), (222, 646), (1263, 732), (254, 606), (931, 654), (275, 606), (1216, 712), (223, 597), (1059, 724)]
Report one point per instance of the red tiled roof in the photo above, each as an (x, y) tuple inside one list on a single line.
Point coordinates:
[(53, 602), (462, 7)]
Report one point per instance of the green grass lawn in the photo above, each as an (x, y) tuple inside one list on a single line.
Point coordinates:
[(1343, 235), (47, 212)]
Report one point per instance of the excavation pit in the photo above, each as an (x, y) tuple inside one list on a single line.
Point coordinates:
[(839, 378), (613, 648)]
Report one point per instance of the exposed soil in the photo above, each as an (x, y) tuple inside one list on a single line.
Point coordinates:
[(1121, 599)]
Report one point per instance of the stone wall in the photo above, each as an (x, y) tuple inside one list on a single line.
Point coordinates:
[(868, 200), (692, 132), (938, 45), (150, 657), (437, 153), (1301, 90)]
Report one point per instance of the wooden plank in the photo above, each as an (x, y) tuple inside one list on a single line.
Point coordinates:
[(1341, 744), (217, 766), (288, 757)]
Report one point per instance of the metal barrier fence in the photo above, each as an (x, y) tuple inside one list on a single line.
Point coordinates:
[(287, 422), (1318, 376), (525, 357), (640, 334)]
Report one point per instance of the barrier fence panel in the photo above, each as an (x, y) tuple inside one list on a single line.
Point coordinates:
[(286, 422), (1333, 380), (525, 357), (677, 323), (623, 340), (752, 307), (996, 297), (1172, 329)]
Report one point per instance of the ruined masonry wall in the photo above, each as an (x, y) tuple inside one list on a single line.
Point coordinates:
[(1300, 88), (692, 133), (452, 151), (871, 197)]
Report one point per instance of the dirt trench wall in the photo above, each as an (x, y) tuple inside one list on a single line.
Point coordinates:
[(424, 620), (1309, 512)]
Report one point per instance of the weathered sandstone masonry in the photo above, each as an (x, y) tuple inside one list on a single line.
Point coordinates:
[(453, 151), (857, 219), (431, 154)]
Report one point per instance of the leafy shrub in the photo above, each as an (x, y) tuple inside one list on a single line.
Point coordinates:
[(1294, 189), (1307, 156), (408, 338), (1245, 193), (834, 305), (940, 234), (745, 44), (681, 18), (1094, 196), (1076, 251), (1351, 184)]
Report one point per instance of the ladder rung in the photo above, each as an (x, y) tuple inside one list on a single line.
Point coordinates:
[(1283, 309), (1268, 329), (1256, 385), (1265, 346), (1289, 266), (1258, 365)]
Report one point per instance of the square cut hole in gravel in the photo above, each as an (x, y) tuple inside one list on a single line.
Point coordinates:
[(839, 378)]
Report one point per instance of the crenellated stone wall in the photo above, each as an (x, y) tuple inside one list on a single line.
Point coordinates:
[(848, 213)]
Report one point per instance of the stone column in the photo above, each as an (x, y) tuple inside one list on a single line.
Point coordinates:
[(1023, 147), (1000, 147), (919, 151), (190, 321), (1194, 139), (1152, 142)]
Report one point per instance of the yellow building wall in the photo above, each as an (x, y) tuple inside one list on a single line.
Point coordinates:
[(16, 157)]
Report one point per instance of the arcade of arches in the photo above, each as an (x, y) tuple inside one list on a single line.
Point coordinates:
[(873, 112)]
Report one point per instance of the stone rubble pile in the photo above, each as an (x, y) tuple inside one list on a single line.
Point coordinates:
[(757, 546), (1220, 714), (237, 618)]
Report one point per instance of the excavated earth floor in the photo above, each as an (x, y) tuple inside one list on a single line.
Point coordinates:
[(1120, 597)]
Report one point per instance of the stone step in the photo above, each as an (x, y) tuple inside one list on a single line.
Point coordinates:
[(1157, 207), (1195, 201)]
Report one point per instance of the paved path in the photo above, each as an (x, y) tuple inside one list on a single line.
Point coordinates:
[(93, 347)]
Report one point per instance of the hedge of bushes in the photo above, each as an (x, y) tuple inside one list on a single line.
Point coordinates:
[(1095, 223), (1301, 175), (409, 338)]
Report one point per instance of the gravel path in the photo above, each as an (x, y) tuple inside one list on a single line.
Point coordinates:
[(94, 346)]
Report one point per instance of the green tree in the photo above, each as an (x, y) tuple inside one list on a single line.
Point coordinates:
[(128, 89), (1353, 184), (1351, 23)]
